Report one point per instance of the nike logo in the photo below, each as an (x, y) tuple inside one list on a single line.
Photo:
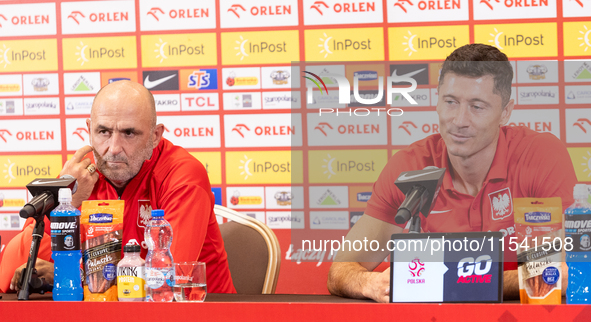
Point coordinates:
[(404, 176), (411, 74), (151, 84), (440, 211), (44, 182)]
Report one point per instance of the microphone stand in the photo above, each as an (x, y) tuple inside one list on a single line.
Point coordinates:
[(29, 283)]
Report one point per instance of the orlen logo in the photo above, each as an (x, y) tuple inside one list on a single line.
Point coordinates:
[(344, 88), (538, 217), (4, 132), (515, 3), (583, 124), (475, 271), (26, 19), (78, 16), (238, 9), (326, 128), (274, 130), (157, 12), (428, 5), (355, 6), (81, 132)]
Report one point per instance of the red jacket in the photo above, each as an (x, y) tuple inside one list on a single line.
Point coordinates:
[(172, 180)]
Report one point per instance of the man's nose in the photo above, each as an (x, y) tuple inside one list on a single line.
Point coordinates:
[(462, 116), (115, 146)]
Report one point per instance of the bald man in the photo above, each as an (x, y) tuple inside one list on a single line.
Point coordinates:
[(134, 163)]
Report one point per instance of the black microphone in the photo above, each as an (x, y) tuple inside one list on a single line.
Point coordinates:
[(45, 195), (421, 188)]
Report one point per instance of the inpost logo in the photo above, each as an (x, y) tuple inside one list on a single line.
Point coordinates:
[(263, 167), (263, 47), (359, 44), (344, 89), (28, 55), (179, 50), (346, 166), (520, 40), (422, 43), (99, 53), (577, 38), (20, 170), (212, 161)]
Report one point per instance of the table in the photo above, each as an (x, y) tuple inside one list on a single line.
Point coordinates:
[(280, 307)]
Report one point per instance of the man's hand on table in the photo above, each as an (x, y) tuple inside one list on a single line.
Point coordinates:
[(77, 167), (378, 286), (44, 271)]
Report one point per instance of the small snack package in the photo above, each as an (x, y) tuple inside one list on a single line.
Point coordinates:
[(102, 236), (538, 226)]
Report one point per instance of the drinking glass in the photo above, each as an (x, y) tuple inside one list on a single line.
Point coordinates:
[(189, 282)]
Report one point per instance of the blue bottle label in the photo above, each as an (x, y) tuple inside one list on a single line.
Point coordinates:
[(65, 233), (578, 227)]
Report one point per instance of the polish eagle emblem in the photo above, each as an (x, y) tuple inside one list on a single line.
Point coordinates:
[(501, 204)]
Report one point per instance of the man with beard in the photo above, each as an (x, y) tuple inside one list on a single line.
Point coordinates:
[(135, 164)]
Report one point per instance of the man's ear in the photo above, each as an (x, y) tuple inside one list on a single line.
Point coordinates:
[(89, 131), (157, 135), (506, 114)]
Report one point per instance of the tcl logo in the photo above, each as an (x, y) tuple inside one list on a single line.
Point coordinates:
[(26, 20), (157, 13), (518, 3), (359, 6), (326, 128), (81, 132), (200, 101), (238, 9), (409, 127), (241, 129), (78, 16), (27, 135), (475, 271), (584, 124), (429, 5)]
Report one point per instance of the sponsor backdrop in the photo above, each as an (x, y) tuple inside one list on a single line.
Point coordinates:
[(222, 77)]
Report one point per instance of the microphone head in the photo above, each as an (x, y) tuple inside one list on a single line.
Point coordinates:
[(430, 178)]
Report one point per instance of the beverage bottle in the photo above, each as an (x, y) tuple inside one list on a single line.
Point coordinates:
[(130, 275), (65, 247), (578, 259), (159, 263)]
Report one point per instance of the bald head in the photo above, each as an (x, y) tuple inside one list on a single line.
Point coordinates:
[(131, 95)]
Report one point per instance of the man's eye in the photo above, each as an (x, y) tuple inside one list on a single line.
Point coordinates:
[(128, 133)]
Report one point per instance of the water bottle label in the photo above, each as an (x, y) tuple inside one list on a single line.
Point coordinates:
[(578, 227), (65, 233), (170, 278), (109, 272), (154, 278)]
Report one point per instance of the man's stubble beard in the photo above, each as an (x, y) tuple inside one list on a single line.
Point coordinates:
[(133, 167)]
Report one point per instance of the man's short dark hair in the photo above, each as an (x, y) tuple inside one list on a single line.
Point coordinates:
[(477, 60)]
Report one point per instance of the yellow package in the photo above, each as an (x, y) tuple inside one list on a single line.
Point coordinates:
[(538, 226), (102, 236)]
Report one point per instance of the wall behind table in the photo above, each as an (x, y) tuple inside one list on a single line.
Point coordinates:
[(220, 72)]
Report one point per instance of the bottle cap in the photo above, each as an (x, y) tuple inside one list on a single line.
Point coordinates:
[(157, 213), (64, 195), (580, 191), (131, 249)]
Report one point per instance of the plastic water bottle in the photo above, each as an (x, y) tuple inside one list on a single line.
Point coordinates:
[(578, 227), (65, 247), (159, 263)]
